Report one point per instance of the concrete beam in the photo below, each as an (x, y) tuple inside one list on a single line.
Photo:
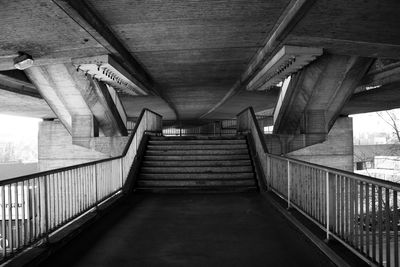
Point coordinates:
[(60, 85), (315, 96), (86, 16), (387, 74), (104, 109), (382, 98), (105, 69), (10, 81), (82, 104), (88, 19), (293, 13), (288, 60)]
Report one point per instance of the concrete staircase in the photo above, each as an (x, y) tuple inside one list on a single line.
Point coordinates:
[(197, 164)]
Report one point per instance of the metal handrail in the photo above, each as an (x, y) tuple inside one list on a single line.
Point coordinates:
[(36, 205), (360, 212), (360, 177), (256, 126)]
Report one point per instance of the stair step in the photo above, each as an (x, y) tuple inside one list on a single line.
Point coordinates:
[(196, 142), (201, 169), (196, 147), (232, 137), (193, 176), (197, 152), (187, 163), (197, 164), (200, 183), (197, 190), (163, 157)]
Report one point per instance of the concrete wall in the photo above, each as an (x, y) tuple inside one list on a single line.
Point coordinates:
[(335, 152), (56, 149)]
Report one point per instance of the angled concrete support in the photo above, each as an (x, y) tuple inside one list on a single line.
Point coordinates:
[(100, 102), (61, 86), (83, 105), (316, 95), (312, 101)]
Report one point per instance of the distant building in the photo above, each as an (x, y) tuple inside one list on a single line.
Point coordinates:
[(372, 138), (364, 155), (379, 161)]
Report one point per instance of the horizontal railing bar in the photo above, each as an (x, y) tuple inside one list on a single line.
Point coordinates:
[(322, 227), (359, 177)]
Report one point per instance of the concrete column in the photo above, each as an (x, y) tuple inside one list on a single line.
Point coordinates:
[(336, 152), (56, 148)]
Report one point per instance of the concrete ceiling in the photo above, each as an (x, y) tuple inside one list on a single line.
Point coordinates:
[(196, 49), (195, 53)]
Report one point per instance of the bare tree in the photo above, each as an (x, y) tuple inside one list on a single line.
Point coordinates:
[(391, 118)]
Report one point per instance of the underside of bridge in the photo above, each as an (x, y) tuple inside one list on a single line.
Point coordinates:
[(89, 67), (199, 61)]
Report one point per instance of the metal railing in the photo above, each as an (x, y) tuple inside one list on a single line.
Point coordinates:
[(213, 128), (34, 206), (359, 211), (118, 105)]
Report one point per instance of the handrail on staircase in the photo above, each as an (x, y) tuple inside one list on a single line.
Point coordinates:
[(359, 211), (34, 206), (247, 121)]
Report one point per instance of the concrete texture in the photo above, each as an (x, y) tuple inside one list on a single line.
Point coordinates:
[(178, 175), (335, 152), (55, 148), (191, 230)]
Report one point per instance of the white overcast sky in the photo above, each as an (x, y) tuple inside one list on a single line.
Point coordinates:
[(16, 129), (369, 122)]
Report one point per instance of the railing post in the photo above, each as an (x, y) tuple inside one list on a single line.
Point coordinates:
[(289, 184), (42, 204), (327, 207), (121, 171), (46, 206), (95, 183), (269, 172)]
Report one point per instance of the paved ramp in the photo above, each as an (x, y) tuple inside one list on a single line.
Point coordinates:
[(191, 230)]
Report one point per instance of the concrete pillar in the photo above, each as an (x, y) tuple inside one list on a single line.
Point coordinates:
[(335, 152), (56, 148)]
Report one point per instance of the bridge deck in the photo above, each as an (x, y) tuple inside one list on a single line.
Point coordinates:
[(191, 230)]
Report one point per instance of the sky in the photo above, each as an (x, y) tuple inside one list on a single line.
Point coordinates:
[(17, 129), (370, 122)]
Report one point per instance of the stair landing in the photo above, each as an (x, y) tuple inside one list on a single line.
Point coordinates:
[(191, 230)]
